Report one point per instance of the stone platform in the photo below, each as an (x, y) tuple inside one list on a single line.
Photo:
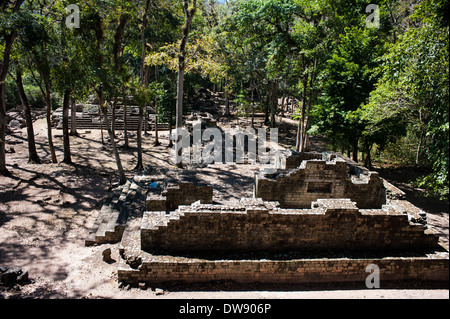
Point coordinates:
[(326, 234), (180, 247), (161, 269)]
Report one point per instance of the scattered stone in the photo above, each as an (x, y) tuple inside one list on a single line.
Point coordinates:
[(107, 255), (134, 261), (142, 286), (159, 291), (23, 277), (13, 142), (10, 276), (15, 124), (65, 204)]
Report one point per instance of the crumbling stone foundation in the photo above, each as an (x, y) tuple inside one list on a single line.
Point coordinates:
[(322, 222), (255, 241), (330, 177), (184, 193), (332, 224), (162, 269)]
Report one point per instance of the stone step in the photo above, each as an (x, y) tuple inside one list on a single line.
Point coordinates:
[(105, 228), (130, 244), (104, 212)]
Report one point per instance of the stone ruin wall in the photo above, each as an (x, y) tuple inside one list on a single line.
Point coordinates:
[(185, 193), (162, 269), (221, 227), (318, 179), (320, 217), (330, 225)]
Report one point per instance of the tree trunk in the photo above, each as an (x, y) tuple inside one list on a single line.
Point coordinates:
[(422, 135), (48, 101), (156, 109), (156, 124), (355, 151), (66, 139), (301, 122), (125, 117), (139, 165), (227, 99), (145, 116), (253, 109), (101, 124), (142, 73), (283, 100), (311, 97), (179, 117), (368, 158), (122, 178), (3, 170), (266, 108), (32, 153), (8, 40), (189, 15), (73, 118), (113, 117), (4, 66), (274, 103)]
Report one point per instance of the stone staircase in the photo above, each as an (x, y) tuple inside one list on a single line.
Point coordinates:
[(156, 220), (123, 203), (92, 120)]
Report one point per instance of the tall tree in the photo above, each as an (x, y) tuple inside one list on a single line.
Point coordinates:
[(103, 76), (349, 77), (189, 13), (415, 86), (39, 41), (33, 157), (8, 33)]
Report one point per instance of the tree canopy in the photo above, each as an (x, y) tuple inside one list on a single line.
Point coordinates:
[(368, 88)]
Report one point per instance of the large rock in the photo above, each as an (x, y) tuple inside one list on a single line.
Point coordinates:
[(11, 276)]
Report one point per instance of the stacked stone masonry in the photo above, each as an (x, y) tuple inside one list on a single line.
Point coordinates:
[(314, 206), (184, 193), (160, 269), (317, 179), (333, 224)]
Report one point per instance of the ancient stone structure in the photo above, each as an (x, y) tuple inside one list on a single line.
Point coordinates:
[(160, 269), (328, 177), (332, 224), (184, 193), (327, 220), (254, 241), (289, 159), (88, 117), (139, 194)]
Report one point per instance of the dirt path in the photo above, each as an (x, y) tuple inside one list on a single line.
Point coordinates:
[(46, 212)]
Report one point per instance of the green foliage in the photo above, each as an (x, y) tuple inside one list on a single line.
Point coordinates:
[(348, 78), (414, 90), (146, 95), (384, 89)]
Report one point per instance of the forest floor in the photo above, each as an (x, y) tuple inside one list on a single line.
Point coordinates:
[(47, 210)]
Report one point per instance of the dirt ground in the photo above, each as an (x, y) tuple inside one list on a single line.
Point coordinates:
[(47, 210)]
